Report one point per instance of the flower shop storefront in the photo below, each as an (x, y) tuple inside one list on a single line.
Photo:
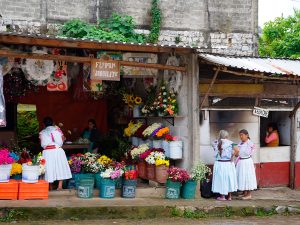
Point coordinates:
[(143, 97)]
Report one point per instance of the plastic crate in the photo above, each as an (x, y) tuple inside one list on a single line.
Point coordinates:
[(38, 190), (9, 190)]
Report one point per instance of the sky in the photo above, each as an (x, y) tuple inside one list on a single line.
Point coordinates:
[(270, 9)]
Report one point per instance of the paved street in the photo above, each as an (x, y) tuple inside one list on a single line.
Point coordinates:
[(274, 220)]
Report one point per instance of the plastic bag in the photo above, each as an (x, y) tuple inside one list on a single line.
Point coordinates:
[(2, 102)]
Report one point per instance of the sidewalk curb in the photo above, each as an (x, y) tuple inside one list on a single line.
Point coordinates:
[(139, 212)]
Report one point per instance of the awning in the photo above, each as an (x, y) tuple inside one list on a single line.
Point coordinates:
[(282, 67)]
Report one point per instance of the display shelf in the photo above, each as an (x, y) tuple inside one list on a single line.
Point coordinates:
[(169, 119)]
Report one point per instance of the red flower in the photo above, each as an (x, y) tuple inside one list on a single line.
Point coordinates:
[(42, 161)]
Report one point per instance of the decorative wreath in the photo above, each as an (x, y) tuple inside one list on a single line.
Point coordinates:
[(36, 70)]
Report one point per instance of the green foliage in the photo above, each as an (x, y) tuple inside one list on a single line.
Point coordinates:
[(200, 171), (155, 22), (115, 28), (11, 215), (27, 124), (281, 37)]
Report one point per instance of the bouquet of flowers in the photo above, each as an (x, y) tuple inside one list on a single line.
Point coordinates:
[(104, 160), (162, 162), (172, 105), (38, 160), (5, 157), (169, 137), (132, 100), (161, 132), (200, 171), (130, 175), (151, 129), (176, 174), (155, 155), (112, 173), (136, 152), (75, 163), (132, 128), (90, 164), (16, 169), (139, 132), (149, 108)]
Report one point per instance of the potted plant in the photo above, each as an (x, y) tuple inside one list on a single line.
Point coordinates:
[(175, 178), (33, 169), (198, 173), (129, 183), (6, 161)]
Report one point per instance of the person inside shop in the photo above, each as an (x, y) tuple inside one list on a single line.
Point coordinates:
[(272, 137), (93, 135), (57, 167)]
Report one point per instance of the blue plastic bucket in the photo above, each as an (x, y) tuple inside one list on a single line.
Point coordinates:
[(107, 188), (189, 189), (86, 188), (129, 188), (172, 189)]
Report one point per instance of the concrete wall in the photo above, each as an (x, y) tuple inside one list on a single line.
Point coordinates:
[(218, 26)]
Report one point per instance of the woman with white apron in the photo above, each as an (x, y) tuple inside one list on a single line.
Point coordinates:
[(57, 167)]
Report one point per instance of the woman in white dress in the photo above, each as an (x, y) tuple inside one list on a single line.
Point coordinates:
[(224, 174), (245, 169), (57, 167)]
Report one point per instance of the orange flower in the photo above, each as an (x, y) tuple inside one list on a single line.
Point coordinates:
[(162, 132), (170, 111)]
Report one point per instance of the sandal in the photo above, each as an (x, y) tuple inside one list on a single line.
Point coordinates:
[(246, 197), (221, 198), (59, 189), (229, 199)]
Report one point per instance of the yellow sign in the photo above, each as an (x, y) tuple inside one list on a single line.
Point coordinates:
[(105, 70)]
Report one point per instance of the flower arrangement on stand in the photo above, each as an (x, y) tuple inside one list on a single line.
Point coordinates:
[(6, 161), (166, 103)]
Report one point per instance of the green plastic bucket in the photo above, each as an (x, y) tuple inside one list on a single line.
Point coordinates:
[(79, 176), (107, 188), (98, 180), (85, 188), (188, 190), (129, 188), (172, 189)]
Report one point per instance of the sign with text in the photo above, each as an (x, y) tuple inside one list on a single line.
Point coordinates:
[(105, 70), (260, 112)]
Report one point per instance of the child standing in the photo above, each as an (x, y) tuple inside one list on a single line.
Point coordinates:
[(224, 172), (246, 176)]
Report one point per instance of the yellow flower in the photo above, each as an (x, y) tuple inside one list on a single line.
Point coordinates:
[(138, 100), (16, 169), (160, 162)]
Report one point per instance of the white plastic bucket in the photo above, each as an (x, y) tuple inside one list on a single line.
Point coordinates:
[(149, 143), (30, 174), (135, 141), (5, 172), (176, 149), (136, 111), (166, 147), (157, 143)]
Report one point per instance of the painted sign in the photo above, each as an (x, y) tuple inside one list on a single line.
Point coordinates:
[(105, 70), (260, 112), (142, 58)]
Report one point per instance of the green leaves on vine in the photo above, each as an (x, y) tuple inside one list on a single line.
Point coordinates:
[(155, 22)]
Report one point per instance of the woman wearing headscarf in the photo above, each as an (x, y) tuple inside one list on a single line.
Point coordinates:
[(224, 173), (245, 169)]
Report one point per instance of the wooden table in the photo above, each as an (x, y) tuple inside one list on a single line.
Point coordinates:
[(72, 148)]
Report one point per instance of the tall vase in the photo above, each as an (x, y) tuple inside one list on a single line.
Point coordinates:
[(161, 173), (150, 171)]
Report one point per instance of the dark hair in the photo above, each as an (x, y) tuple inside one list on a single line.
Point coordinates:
[(93, 122), (244, 131), (273, 126), (48, 121)]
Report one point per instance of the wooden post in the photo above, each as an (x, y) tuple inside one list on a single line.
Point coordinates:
[(210, 87), (293, 150)]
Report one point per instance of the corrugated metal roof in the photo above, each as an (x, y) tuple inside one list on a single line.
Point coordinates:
[(264, 65), (52, 37)]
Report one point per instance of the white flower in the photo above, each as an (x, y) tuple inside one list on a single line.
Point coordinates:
[(164, 93)]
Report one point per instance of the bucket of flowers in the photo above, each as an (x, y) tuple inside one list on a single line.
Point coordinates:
[(6, 161), (199, 173), (150, 160), (108, 181), (130, 130), (129, 183), (33, 169), (161, 169), (105, 162), (158, 136), (176, 176), (16, 171), (149, 132)]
